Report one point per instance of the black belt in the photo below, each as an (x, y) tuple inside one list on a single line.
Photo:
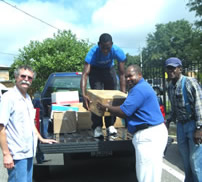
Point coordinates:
[(141, 127)]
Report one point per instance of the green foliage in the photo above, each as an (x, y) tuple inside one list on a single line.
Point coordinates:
[(196, 5), (62, 53), (132, 60), (174, 39)]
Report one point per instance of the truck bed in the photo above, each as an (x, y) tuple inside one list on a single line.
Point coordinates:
[(83, 141)]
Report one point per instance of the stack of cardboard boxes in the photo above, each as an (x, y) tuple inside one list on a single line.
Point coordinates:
[(73, 116)]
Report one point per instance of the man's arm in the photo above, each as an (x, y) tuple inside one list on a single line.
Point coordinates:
[(196, 94), (7, 158), (43, 140), (122, 76), (172, 115), (114, 110), (83, 84)]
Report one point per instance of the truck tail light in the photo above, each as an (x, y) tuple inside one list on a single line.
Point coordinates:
[(78, 73), (162, 108), (37, 119)]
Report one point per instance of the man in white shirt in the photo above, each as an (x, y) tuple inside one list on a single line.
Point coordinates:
[(18, 134)]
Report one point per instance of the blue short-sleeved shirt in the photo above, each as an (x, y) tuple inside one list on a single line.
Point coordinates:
[(96, 58), (141, 105)]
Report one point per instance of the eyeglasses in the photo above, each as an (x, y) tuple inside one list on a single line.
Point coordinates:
[(25, 76)]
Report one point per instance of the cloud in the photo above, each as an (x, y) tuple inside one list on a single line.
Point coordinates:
[(126, 14), (18, 29), (129, 21)]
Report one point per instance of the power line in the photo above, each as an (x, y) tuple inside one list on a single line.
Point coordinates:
[(8, 53), (13, 6)]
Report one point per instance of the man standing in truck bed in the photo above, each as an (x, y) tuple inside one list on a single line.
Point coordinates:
[(99, 67)]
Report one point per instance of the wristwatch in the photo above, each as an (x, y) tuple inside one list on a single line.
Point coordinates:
[(198, 127)]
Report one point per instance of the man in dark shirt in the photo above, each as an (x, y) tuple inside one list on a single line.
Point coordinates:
[(186, 109)]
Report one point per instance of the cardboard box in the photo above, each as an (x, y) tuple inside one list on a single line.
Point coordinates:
[(84, 120), (111, 97), (64, 122), (70, 121), (59, 108), (83, 117), (65, 98), (119, 123)]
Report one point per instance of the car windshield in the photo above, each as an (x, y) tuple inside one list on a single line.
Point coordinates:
[(68, 83)]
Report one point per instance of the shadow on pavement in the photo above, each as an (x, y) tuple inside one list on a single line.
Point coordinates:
[(173, 156)]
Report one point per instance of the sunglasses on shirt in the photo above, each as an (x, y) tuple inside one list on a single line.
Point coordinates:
[(24, 77)]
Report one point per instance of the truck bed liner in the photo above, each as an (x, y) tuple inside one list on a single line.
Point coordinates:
[(83, 141)]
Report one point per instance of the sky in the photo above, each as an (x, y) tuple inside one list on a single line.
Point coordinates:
[(128, 21)]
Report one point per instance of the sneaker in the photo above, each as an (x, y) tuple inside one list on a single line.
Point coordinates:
[(98, 132), (111, 130)]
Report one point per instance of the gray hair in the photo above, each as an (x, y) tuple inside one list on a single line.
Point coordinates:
[(25, 67)]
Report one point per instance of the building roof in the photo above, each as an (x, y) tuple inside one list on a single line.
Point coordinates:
[(3, 87), (3, 67)]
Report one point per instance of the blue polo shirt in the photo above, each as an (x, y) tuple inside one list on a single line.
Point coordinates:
[(141, 106), (96, 58)]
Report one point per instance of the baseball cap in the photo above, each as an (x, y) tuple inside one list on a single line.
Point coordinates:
[(173, 61)]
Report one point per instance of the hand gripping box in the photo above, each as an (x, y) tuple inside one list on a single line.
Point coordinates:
[(111, 97)]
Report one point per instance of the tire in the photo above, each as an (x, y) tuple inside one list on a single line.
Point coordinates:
[(40, 173)]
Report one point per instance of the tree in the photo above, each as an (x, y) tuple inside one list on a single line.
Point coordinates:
[(174, 39), (196, 5), (132, 60), (62, 53)]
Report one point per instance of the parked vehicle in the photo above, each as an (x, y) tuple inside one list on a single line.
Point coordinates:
[(159, 93), (82, 141)]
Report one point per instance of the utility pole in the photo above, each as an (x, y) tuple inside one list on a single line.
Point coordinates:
[(140, 57)]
